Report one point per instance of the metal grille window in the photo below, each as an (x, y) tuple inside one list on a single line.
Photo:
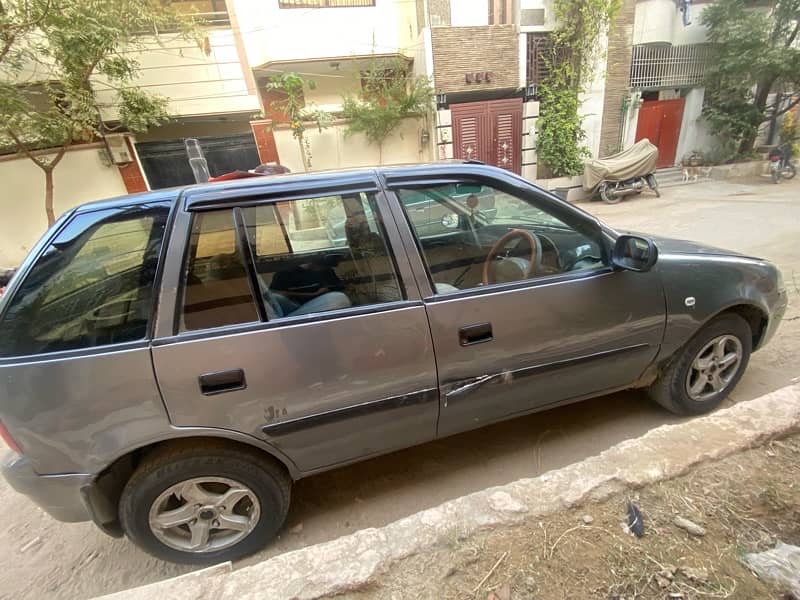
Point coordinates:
[(540, 45), (324, 3), (668, 66)]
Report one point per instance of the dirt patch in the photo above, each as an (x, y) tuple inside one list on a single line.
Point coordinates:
[(744, 503)]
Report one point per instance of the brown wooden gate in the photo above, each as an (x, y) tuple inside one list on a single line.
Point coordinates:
[(660, 122), (490, 132)]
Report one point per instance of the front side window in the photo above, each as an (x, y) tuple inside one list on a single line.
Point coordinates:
[(307, 256), (92, 286), (341, 261), (473, 235)]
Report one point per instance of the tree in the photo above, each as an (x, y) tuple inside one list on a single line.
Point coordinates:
[(56, 52), (295, 108), (390, 94), (570, 64), (755, 53)]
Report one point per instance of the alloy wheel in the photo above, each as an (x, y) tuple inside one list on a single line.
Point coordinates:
[(204, 514), (714, 367)]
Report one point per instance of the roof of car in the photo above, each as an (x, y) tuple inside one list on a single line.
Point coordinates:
[(258, 183)]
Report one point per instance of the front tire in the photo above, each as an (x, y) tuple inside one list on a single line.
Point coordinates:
[(707, 369), (205, 503), (789, 171)]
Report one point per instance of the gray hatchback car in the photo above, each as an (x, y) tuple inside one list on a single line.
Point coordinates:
[(170, 362)]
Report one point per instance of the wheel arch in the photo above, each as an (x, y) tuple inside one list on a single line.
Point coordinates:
[(103, 495), (755, 316)]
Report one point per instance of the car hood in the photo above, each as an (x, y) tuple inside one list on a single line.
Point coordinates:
[(673, 246)]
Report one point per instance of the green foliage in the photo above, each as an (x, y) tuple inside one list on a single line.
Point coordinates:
[(390, 94), (560, 139), (790, 132), (296, 109), (70, 49), (754, 53)]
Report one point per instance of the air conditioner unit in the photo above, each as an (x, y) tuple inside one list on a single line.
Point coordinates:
[(118, 149)]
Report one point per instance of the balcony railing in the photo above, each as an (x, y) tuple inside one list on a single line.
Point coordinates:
[(656, 67), (324, 3)]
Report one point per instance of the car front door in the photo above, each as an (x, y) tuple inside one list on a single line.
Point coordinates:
[(315, 347), (525, 309)]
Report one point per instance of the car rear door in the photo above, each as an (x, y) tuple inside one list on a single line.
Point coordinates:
[(510, 348), (327, 359)]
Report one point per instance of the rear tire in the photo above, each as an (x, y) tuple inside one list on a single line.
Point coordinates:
[(672, 389), (607, 194), (258, 493), (776, 174)]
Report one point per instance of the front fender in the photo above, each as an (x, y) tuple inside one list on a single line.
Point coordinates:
[(698, 287)]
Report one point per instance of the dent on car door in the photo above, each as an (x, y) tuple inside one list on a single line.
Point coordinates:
[(327, 359), (552, 322)]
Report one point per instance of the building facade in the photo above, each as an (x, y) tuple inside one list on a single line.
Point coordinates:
[(661, 45)]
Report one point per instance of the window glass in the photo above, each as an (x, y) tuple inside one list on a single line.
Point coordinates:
[(473, 235), (216, 291), (321, 254), (92, 286)]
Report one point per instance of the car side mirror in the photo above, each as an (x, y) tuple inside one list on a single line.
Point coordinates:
[(634, 253)]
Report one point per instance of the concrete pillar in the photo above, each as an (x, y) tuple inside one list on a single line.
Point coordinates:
[(530, 113)]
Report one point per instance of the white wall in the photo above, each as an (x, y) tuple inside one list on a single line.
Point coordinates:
[(271, 33), (329, 89), (194, 83), (694, 132), (332, 150), (660, 21), (79, 177), (549, 16), (469, 12)]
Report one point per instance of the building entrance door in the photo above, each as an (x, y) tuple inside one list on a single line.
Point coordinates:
[(660, 122), (490, 132)]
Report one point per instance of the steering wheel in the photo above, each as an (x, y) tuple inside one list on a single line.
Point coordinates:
[(489, 270)]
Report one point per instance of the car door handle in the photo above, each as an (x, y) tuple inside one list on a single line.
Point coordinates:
[(221, 382), (475, 334)]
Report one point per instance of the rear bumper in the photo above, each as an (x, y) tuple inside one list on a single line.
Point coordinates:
[(59, 495)]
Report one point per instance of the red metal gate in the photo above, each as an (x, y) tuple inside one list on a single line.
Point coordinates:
[(490, 132), (660, 122)]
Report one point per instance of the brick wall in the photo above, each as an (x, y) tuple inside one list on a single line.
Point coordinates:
[(131, 173), (265, 141), (461, 50), (439, 12), (620, 48)]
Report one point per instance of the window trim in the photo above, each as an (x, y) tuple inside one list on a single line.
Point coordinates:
[(38, 250), (410, 237)]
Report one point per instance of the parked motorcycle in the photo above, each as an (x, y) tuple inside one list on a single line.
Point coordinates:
[(627, 172), (780, 163)]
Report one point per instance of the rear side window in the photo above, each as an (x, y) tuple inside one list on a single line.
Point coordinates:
[(92, 286), (217, 290)]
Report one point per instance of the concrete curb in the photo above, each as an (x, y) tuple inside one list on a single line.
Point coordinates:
[(353, 561)]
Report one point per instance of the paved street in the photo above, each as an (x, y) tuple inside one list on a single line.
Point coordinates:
[(46, 559)]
